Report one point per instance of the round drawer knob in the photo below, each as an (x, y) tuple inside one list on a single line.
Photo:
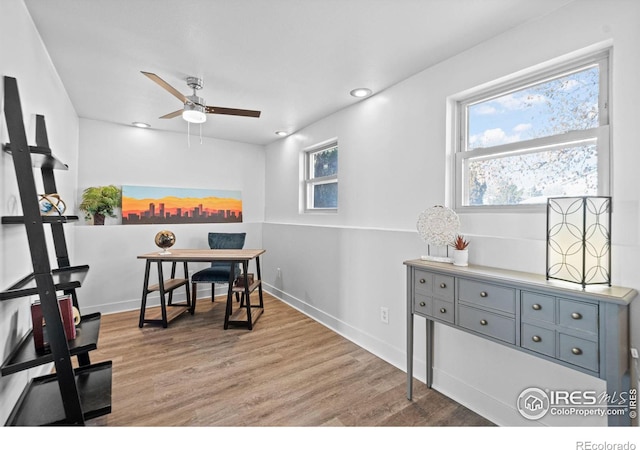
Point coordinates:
[(536, 338), (576, 315), (483, 322), (536, 307), (443, 310), (422, 281), (422, 303), (483, 294), (576, 351), (443, 285)]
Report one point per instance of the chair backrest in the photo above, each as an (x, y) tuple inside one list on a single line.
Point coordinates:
[(226, 240)]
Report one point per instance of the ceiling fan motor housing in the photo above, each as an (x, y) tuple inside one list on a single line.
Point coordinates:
[(195, 83), (195, 100)]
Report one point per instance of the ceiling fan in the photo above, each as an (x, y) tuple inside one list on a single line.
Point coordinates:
[(195, 108)]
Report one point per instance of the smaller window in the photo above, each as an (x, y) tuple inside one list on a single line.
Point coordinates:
[(321, 178)]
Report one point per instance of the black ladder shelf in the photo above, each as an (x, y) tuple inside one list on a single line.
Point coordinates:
[(69, 395)]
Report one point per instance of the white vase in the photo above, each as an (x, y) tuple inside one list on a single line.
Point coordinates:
[(461, 257)]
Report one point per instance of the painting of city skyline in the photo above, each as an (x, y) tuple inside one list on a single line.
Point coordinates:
[(143, 205)]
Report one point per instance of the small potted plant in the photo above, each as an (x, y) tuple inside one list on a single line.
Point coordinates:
[(99, 202), (460, 251)]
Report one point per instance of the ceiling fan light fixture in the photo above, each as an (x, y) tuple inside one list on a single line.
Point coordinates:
[(194, 113)]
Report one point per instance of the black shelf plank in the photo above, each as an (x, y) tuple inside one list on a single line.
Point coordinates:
[(64, 278), (25, 355), (41, 157), (41, 402), (15, 220)]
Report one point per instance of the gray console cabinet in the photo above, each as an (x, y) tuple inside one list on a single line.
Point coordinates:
[(584, 329)]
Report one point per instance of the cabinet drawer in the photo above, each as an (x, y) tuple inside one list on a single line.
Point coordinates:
[(490, 324), (579, 352), (489, 295), (443, 287), (422, 305), (538, 307), (539, 339), (443, 310), (422, 281), (578, 315)]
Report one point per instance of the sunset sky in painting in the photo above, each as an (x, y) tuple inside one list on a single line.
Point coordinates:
[(136, 199)]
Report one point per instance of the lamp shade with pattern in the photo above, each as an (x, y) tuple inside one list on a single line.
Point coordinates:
[(579, 239)]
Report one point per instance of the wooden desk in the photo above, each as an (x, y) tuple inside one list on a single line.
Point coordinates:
[(246, 315)]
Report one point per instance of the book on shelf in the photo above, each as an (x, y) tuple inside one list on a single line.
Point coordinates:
[(65, 305)]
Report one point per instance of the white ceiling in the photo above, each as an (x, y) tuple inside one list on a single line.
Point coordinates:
[(294, 60)]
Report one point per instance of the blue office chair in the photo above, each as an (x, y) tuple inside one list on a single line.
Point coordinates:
[(219, 270)]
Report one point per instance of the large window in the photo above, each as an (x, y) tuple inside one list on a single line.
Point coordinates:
[(536, 138), (321, 178)]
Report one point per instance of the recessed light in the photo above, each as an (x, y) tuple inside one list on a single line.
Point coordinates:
[(140, 124), (282, 133), (360, 92)]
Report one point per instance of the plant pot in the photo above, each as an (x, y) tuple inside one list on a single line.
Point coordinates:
[(98, 219), (461, 257)]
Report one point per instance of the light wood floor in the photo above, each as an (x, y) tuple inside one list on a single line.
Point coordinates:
[(288, 371)]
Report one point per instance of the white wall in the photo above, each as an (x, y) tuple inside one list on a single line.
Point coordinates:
[(393, 158), (111, 154), (125, 155), (338, 268), (23, 57)]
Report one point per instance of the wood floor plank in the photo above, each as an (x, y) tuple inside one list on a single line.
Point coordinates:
[(288, 371)]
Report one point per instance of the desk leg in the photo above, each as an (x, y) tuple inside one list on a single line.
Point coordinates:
[(173, 275), (145, 291), (187, 290), (429, 352), (247, 300), (409, 355), (163, 306), (258, 274), (227, 313)]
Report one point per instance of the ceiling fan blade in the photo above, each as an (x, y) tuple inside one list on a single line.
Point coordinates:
[(172, 114), (163, 84), (231, 111)]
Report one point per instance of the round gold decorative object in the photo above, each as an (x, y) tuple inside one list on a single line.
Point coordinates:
[(165, 239), (51, 205)]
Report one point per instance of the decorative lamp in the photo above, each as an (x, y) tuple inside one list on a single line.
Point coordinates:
[(579, 239)]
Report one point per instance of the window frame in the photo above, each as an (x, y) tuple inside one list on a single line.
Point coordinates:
[(601, 135), (310, 182)]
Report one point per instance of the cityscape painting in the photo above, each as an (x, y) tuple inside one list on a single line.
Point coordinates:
[(156, 205)]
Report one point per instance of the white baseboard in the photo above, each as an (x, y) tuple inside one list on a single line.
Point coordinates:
[(478, 401), (381, 349)]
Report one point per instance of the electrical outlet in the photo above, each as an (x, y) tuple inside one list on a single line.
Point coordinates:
[(384, 314), (634, 353)]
